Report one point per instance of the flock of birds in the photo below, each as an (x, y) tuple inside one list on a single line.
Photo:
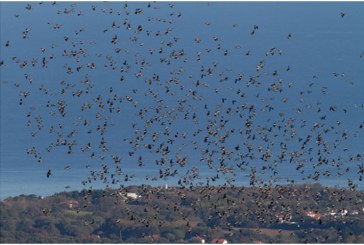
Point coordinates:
[(137, 98)]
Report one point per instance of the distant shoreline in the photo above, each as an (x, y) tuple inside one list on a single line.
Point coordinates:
[(238, 187)]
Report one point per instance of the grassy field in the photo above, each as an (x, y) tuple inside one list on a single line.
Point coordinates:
[(288, 235)]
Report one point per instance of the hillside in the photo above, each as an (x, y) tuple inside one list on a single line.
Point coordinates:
[(284, 214)]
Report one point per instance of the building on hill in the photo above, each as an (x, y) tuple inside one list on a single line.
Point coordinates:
[(71, 203), (129, 195), (344, 212), (333, 212), (154, 236), (313, 215), (219, 241), (198, 239), (133, 195), (284, 218)]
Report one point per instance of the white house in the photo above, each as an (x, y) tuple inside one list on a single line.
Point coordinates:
[(344, 212), (133, 195)]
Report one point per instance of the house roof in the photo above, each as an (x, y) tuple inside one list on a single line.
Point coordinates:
[(198, 238), (71, 202), (219, 240)]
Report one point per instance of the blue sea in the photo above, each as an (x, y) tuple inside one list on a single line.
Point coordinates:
[(324, 53)]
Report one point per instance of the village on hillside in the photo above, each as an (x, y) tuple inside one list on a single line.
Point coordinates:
[(174, 214)]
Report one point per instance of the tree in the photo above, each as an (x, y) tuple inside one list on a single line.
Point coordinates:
[(179, 234)]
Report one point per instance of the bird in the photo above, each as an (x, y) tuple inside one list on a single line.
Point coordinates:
[(49, 173), (134, 97)]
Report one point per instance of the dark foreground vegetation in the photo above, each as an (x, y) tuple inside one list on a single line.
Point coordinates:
[(144, 214)]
